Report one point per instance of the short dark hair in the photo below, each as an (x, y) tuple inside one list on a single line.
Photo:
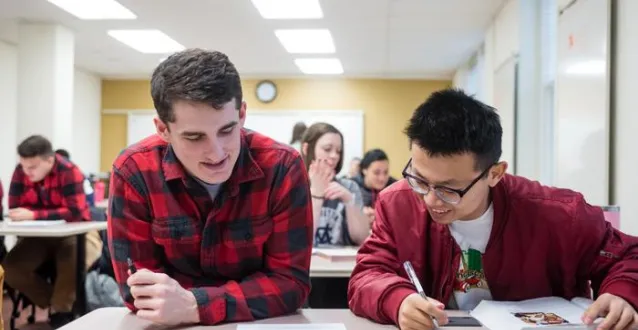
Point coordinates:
[(312, 135), (195, 75), (297, 132), (370, 157), (64, 153), (451, 122), (35, 145)]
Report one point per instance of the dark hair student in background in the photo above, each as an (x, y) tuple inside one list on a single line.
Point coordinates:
[(374, 176)]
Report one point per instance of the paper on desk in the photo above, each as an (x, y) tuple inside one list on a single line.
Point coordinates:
[(301, 326), (35, 223)]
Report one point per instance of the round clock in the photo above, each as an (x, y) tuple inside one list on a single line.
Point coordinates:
[(266, 91)]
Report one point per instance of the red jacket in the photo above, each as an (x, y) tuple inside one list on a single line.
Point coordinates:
[(544, 242)]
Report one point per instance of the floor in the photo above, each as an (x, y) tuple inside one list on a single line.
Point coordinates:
[(40, 316)]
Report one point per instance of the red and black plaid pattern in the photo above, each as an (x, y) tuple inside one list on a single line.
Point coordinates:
[(245, 255), (60, 195)]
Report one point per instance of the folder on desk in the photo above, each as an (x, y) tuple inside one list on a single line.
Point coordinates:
[(343, 254)]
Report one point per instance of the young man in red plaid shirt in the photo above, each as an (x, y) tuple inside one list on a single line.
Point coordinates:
[(216, 219), (47, 187)]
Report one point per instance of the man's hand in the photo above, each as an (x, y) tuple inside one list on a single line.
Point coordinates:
[(618, 313), (161, 299), (20, 214), (416, 313)]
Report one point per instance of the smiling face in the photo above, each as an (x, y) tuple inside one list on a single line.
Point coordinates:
[(328, 147), (455, 172), (376, 176), (206, 141)]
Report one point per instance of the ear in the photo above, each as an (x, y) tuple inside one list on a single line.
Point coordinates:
[(497, 172), (304, 148), (162, 129), (364, 172), (242, 114)]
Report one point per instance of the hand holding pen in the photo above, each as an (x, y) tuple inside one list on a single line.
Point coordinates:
[(417, 311)]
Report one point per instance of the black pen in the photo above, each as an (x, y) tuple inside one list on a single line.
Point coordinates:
[(131, 267)]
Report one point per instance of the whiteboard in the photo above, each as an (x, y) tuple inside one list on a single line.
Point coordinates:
[(505, 89), (582, 100), (278, 125), (140, 126)]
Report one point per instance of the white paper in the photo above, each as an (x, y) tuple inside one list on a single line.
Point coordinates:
[(344, 252), (500, 315), (35, 223), (301, 326)]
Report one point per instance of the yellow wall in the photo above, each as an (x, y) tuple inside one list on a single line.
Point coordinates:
[(387, 105)]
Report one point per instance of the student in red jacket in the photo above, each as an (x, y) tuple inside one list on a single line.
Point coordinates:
[(473, 232)]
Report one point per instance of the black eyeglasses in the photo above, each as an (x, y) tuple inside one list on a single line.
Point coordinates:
[(448, 195)]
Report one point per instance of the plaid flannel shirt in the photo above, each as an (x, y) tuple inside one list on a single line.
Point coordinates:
[(60, 195), (244, 256)]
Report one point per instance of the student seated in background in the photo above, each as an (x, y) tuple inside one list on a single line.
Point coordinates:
[(297, 134), (217, 219), (336, 202), (473, 232), (373, 176), (88, 189), (46, 186), (336, 205), (353, 168)]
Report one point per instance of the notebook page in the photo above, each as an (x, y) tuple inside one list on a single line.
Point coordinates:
[(35, 223), (306, 326), (583, 303), (530, 314)]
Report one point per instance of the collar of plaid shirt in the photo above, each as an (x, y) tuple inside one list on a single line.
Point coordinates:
[(245, 169)]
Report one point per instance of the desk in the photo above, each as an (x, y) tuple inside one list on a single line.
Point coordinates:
[(122, 319), (78, 229), (103, 204), (322, 267)]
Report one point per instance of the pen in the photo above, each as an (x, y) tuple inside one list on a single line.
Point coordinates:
[(415, 281), (131, 267)]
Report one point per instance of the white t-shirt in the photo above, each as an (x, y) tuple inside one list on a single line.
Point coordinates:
[(470, 285)]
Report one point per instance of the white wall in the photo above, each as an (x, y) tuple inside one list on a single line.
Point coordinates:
[(87, 98), (500, 47), (625, 157), (8, 113)]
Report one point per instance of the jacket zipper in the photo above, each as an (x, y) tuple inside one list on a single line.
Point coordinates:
[(608, 255)]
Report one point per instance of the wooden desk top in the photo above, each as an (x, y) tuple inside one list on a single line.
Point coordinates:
[(122, 319), (60, 230)]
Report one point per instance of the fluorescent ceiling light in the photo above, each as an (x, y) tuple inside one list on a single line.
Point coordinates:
[(288, 9), (94, 9), (319, 65), (302, 41), (147, 41), (587, 68)]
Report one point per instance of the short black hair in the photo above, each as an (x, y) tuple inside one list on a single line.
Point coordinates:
[(370, 157), (450, 122), (195, 75), (64, 153), (35, 145)]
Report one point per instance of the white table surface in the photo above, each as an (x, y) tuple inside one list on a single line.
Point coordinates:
[(122, 319), (322, 267), (59, 230)]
